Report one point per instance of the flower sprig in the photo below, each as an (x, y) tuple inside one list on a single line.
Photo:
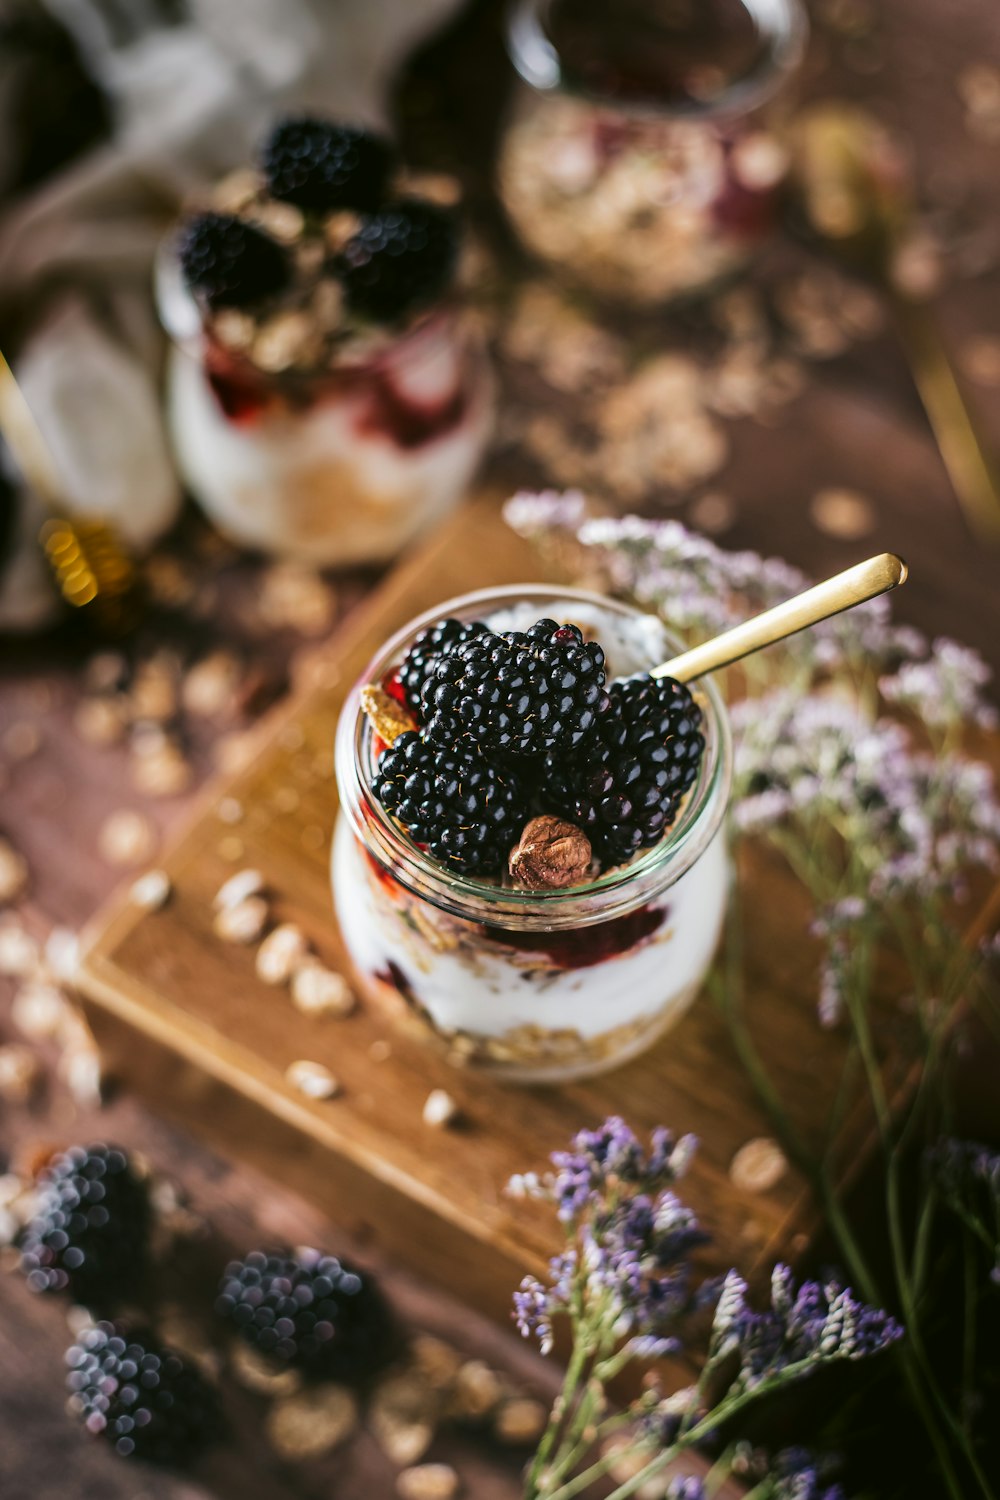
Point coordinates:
[(625, 1287)]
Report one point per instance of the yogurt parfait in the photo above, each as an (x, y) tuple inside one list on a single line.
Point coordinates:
[(529, 866), (328, 396), (644, 156)]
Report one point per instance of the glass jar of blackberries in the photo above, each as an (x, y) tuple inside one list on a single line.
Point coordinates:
[(518, 924), (644, 155)]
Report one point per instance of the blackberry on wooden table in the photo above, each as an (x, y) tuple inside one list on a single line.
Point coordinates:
[(309, 1310), (90, 1231), (467, 812), (140, 1396), (519, 693), (624, 787)]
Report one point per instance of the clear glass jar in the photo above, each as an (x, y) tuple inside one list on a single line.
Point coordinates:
[(533, 986), (337, 468), (643, 156)]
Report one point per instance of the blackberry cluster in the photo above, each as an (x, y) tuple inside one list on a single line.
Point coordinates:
[(519, 694), (624, 786), (432, 643), (139, 1396), (320, 165), (467, 811), (90, 1232), (308, 1310), (401, 259), (230, 262)]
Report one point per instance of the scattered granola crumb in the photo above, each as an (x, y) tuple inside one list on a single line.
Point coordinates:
[(295, 598), (38, 1010), (256, 1373), (435, 1360), (478, 1390), (79, 1068), (439, 1108), (843, 514), (427, 1482), (19, 1073), (62, 955), (520, 1420), (317, 990), (281, 953), (403, 1413), (243, 922), (19, 956), (312, 1421), (13, 873), (389, 718), (126, 838), (151, 891), (312, 1079), (210, 686), (758, 1166)]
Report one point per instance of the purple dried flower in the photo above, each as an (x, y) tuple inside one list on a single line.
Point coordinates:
[(687, 1487), (801, 1475), (804, 1328)]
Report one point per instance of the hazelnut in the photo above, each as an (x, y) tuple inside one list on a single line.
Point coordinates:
[(550, 855)]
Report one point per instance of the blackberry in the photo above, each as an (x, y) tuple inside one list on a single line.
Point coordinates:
[(401, 259), (320, 165), (230, 262), (308, 1310), (90, 1231), (467, 812), (434, 642), (138, 1395), (624, 787), (521, 693)]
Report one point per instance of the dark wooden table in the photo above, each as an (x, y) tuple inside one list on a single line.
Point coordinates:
[(857, 424)]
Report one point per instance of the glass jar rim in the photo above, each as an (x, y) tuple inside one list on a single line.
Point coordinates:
[(783, 23), (612, 894)]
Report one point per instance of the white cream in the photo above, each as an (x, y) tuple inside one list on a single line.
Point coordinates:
[(496, 991)]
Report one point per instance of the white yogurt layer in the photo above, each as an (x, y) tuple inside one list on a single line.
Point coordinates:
[(311, 485), (494, 991), (321, 484)]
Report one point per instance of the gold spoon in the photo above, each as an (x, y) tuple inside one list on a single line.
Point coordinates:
[(864, 581), (91, 568), (856, 193)]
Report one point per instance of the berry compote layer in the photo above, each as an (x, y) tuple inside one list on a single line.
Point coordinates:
[(328, 397), (644, 160), (544, 956)]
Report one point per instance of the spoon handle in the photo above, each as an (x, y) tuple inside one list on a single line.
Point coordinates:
[(864, 581)]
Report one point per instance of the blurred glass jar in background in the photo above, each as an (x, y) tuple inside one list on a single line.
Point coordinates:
[(643, 156), (328, 395)]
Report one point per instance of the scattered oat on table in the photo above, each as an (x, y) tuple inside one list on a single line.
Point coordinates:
[(20, 1072), (477, 1391), (242, 923), (281, 953), (403, 1414), (237, 888), (439, 1108), (126, 838), (427, 1482), (520, 1421), (13, 873), (758, 1166), (151, 891), (312, 1422), (319, 991), (312, 1079), (19, 953), (38, 1010), (258, 1373), (843, 514)]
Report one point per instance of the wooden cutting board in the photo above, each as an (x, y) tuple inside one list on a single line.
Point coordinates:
[(185, 1021)]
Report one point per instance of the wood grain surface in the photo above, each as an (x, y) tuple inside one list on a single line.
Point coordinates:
[(857, 423), (214, 1041)]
